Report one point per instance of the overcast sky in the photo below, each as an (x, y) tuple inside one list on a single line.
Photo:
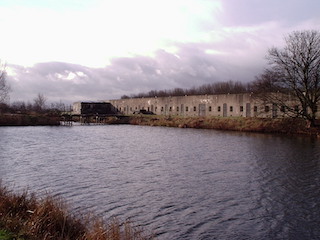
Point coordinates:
[(76, 50)]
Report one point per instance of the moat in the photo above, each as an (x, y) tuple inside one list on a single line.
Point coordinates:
[(178, 183)]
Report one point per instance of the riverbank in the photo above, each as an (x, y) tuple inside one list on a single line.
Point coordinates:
[(24, 216), (262, 125), (29, 120)]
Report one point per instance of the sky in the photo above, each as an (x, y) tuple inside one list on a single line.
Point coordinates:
[(91, 50)]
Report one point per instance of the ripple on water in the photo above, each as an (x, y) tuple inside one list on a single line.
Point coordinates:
[(179, 183)]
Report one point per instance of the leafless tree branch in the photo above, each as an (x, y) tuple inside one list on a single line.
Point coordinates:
[(295, 73), (4, 87)]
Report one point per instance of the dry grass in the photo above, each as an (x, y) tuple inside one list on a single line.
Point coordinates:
[(28, 120), (266, 125), (23, 216)]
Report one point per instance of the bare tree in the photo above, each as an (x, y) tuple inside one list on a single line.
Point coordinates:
[(19, 106), (4, 87), (40, 102), (295, 74), (211, 88)]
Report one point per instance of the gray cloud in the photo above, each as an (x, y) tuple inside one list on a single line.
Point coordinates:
[(221, 44), (289, 12), (189, 66)]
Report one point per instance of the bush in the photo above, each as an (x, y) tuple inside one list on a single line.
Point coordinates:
[(23, 216)]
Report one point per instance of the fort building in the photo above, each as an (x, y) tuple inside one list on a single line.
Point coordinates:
[(219, 105), (92, 108)]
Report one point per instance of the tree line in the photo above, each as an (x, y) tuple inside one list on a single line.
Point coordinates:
[(211, 88), (230, 87), (38, 105), (293, 71)]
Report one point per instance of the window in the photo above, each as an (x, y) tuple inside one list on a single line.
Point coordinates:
[(177, 109), (210, 108), (266, 108), (187, 109), (296, 108), (161, 109), (241, 108), (255, 109), (231, 109), (194, 108), (170, 109), (219, 109), (155, 108)]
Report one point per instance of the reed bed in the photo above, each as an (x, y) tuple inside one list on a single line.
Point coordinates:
[(262, 125), (23, 216)]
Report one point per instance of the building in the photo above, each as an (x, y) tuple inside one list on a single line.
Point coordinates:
[(93, 108), (220, 105), (223, 105)]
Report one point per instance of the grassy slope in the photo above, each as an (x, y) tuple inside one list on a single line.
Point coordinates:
[(267, 125)]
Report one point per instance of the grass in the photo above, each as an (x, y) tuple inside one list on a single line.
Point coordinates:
[(24, 216), (265, 125), (28, 120), (4, 235)]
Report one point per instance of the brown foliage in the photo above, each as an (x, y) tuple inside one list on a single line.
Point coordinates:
[(264, 125), (28, 120), (26, 217), (211, 88)]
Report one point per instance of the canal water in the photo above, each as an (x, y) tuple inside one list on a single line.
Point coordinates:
[(177, 183)]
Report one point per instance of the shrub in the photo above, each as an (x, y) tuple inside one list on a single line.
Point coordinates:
[(23, 216)]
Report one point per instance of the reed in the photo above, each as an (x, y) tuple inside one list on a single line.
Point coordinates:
[(263, 125), (24, 216)]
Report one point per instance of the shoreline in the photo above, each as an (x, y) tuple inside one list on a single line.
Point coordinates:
[(29, 120), (289, 126)]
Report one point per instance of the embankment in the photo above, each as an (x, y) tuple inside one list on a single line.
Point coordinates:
[(28, 120), (263, 125)]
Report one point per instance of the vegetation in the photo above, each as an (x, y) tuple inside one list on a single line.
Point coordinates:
[(294, 71), (23, 216), (31, 119), (212, 88), (4, 87), (262, 125), (293, 79), (20, 113), (293, 76)]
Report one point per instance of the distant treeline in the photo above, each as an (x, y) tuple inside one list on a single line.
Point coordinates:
[(37, 106), (209, 89)]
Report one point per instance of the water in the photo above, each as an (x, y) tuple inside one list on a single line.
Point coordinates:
[(178, 183)]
